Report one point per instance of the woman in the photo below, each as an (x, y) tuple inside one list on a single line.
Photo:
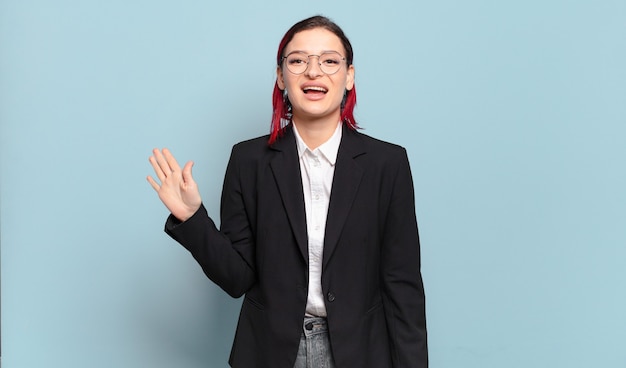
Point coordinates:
[(318, 227)]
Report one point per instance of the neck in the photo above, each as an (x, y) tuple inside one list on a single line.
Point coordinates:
[(315, 133)]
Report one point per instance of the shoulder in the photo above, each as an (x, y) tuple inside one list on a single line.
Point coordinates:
[(376, 148), (252, 144), (380, 144), (258, 151), (251, 148)]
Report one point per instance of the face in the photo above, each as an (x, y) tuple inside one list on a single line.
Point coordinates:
[(315, 95)]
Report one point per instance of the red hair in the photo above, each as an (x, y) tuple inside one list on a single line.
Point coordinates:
[(281, 115)]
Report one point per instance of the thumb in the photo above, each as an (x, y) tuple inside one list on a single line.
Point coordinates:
[(187, 177)]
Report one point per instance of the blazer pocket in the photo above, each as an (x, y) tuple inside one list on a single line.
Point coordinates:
[(374, 309), (253, 303)]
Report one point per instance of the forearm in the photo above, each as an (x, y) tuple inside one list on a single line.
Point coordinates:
[(403, 290), (406, 320), (214, 251)]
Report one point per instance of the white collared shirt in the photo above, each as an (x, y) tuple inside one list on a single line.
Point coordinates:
[(317, 168)]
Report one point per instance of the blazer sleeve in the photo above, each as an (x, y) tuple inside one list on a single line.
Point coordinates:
[(227, 255), (403, 290)]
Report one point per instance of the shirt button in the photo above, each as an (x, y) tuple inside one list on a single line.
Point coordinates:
[(316, 196), (331, 297)]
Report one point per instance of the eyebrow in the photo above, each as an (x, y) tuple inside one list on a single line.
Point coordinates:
[(307, 52)]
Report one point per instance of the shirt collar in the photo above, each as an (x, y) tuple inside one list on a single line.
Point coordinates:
[(328, 149)]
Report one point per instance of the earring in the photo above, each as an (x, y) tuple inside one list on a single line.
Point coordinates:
[(286, 99), (343, 100)]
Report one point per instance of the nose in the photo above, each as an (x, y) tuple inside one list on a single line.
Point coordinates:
[(313, 69)]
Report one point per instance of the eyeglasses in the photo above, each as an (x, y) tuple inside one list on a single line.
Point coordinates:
[(329, 62)]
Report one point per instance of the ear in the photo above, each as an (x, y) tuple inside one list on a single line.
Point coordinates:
[(279, 78), (350, 78)]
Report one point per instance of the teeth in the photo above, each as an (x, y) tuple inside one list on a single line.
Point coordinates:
[(320, 89)]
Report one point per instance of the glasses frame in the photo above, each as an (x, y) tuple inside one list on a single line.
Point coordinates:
[(308, 61)]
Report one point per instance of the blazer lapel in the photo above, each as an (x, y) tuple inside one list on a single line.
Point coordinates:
[(346, 182), (286, 168)]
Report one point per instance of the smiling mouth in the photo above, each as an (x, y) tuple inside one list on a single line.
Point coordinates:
[(314, 90)]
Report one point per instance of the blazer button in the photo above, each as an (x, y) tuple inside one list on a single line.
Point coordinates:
[(331, 297)]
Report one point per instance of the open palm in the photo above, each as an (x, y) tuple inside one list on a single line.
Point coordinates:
[(177, 189)]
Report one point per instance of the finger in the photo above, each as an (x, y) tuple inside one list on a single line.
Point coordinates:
[(157, 169), (187, 177), (153, 183), (171, 161), (162, 162)]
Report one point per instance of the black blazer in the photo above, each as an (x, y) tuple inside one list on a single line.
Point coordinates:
[(371, 263)]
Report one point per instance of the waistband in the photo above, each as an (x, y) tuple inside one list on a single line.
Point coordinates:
[(314, 326)]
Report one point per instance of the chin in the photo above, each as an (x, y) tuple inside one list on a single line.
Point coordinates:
[(318, 112), (315, 114)]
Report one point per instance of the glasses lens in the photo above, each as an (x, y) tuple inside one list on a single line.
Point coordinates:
[(297, 62), (330, 62)]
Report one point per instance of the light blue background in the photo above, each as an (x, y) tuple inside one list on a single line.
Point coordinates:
[(514, 115)]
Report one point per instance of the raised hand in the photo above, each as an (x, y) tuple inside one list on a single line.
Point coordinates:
[(177, 189)]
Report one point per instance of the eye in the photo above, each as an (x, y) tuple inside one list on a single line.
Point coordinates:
[(330, 59), (296, 59)]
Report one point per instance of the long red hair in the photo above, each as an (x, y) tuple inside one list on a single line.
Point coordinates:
[(281, 115)]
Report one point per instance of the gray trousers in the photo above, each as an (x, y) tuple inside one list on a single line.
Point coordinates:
[(314, 351)]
